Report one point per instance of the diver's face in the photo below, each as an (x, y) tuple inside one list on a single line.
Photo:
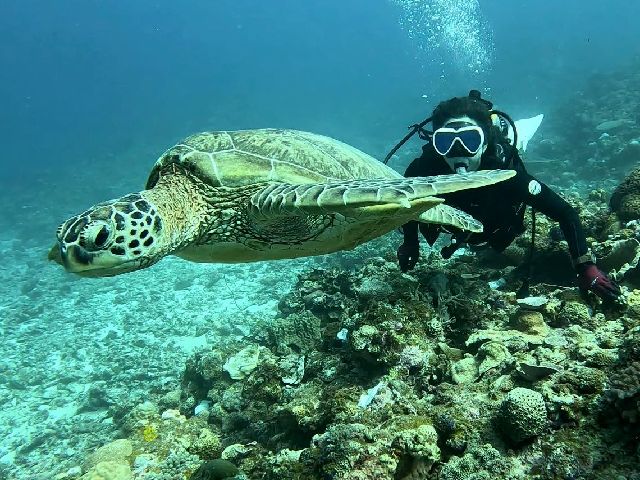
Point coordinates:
[(459, 159)]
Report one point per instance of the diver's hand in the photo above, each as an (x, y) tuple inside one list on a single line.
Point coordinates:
[(590, 277), (408, 254)]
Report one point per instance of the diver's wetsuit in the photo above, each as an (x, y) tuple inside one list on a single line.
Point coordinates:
[(500, 207)]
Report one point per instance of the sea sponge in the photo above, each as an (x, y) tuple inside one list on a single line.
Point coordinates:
[(531, 322), (522, 415), (108, 471), (116, 452)]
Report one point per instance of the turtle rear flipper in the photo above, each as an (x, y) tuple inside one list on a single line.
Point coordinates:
[(446, 215)]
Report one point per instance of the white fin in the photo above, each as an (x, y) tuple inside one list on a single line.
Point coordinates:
[(527, 127)]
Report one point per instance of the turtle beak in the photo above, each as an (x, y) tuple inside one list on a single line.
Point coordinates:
[(75, 258), (55, 254)]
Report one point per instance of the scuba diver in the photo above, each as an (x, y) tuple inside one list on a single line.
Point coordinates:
[(469, 135)]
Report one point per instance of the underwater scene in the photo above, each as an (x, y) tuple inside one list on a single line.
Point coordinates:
[(333, 240)]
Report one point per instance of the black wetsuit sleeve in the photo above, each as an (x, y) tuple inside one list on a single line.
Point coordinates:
[(425, 165), (544, 200)]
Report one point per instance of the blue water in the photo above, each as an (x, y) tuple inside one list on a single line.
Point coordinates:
[(80, 78), (91, 92)]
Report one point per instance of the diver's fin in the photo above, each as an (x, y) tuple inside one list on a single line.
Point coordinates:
[(527, 127)]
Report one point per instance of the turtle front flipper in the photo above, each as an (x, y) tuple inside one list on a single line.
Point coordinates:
[(355, 197)]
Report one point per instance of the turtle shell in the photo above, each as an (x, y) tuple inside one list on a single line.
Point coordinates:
[(246, 157)]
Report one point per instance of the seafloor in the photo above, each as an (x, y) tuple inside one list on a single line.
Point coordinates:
[(339, 367)]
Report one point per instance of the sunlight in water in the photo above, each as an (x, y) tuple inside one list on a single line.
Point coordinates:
[(448, 32)]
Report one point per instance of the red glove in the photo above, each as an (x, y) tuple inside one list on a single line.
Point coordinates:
[(408, 255), (592, 278)]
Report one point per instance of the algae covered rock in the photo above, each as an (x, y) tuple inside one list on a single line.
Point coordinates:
[(625, 200), (531, 322), (419, 443), (336, 452), (522, 415), (217, 469), (482, 462), (404, 448), (243, 363), (117, 451), (574, 313), (108, 471), (492, 356), (207, 445)]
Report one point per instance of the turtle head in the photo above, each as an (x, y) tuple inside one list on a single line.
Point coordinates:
[(110, 238)]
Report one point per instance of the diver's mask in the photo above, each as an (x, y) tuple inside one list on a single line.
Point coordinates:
[(461, 143)]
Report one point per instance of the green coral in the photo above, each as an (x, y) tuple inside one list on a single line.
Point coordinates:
[(482, 462), (522, 415), (574, 313), (207, 445), (419, 442)]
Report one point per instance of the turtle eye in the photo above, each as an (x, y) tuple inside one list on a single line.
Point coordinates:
[(95, 236), (101, 237)]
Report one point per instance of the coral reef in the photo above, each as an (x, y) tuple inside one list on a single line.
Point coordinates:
[(625, 201), (358, 371), (441, 377)]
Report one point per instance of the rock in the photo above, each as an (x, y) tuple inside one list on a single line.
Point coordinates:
[(623, 257), (625, 200), (465, 370), (241, 364), (364, 337), (492, 355), (217, 469), (480, 462), (293, 368), (508, 338), (532, 372), (533, 303), (207, 446), (627, 157), (573, 313), (237, 451), (419, 442)]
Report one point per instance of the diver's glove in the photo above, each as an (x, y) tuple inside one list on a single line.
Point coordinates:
[(408, 254), (590, 277)]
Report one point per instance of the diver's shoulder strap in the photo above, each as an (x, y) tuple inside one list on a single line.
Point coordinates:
[(509, 157)]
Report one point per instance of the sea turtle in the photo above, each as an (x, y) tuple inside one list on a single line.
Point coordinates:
[(253, 195)]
